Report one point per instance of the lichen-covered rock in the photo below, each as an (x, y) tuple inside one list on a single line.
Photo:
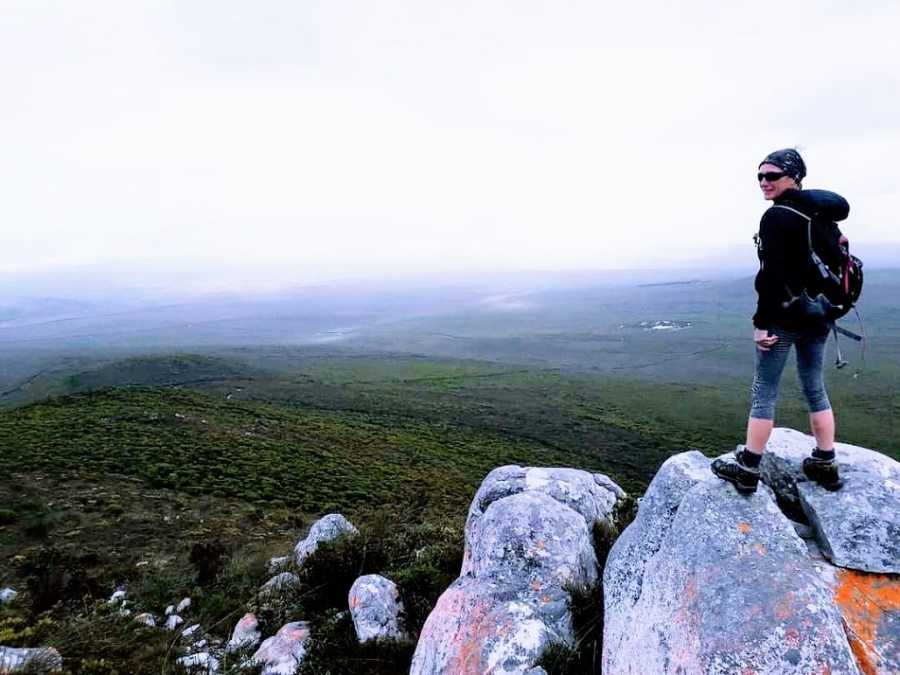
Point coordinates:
[(623, 576), (7, 596), (327, 528), (870, 606), (282, 653), (376, 609), (858, 526), (715, 583), (477, 628), (246, 634), (37, 660), (529, 540)]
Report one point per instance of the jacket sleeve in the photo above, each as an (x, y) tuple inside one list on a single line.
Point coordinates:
[(770, 281)]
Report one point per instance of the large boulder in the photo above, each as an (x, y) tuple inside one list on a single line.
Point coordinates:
[(327, 528), (376, 609), (38, 660), (707, 581), (282, 653), (529, 541), (858, 527)]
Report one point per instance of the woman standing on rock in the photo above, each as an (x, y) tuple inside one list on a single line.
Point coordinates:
[(780, 321)]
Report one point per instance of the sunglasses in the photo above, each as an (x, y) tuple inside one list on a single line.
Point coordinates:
[(770, 176)]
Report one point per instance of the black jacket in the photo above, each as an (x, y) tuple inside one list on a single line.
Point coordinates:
[(784, 253)]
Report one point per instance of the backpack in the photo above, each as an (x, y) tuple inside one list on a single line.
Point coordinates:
[(834, 277)]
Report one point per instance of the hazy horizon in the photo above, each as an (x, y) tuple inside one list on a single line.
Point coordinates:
[(352, 139)]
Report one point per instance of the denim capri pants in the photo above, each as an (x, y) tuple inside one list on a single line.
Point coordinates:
[(770, 364)]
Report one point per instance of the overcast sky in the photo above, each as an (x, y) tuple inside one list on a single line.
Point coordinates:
[(345, 138)]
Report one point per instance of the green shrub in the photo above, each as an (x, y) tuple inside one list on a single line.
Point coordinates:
[(333, 648), (8, 516)]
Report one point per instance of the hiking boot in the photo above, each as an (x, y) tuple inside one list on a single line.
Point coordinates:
[(744, 478), (824, 472)]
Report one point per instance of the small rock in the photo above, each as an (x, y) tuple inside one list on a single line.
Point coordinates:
[(279, 564), (170, 610), (282, 653), (183, 605), (281, 582), (173, 621), (7, 596), (202, 662), (190, 630), (246, 634), (326, 528), (117, 597), (147, 619), (39, 660), (376, 609)]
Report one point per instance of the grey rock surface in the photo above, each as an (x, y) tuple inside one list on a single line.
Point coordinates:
[(283, 653), (246, 634), (376, 609), (529, 538), (326, 528), (707, 581), (37, 660), (857, 527)]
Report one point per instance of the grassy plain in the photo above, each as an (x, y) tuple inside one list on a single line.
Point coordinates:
[(179, 470)]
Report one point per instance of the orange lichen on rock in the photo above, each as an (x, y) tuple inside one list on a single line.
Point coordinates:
[(785, 607), (863, 599), (744, 528)]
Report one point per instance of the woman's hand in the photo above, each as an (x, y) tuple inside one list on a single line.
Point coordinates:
[(763, 340)]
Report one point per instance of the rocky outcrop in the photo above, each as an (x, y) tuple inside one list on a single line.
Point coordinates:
[(528, 541), (707, 581), (282, 653), (857, 527), (39, 660), (376, 609), (327, 528)]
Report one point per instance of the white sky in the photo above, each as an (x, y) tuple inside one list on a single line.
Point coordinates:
[(367, 137)]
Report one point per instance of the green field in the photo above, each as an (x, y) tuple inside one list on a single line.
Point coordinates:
[(180, 470)]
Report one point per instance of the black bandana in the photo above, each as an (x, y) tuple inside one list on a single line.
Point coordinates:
[(789, 161)]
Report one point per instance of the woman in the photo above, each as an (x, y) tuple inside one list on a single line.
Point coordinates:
[(779, 322)]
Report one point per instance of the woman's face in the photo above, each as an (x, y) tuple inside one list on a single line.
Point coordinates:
[(773, 188)]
